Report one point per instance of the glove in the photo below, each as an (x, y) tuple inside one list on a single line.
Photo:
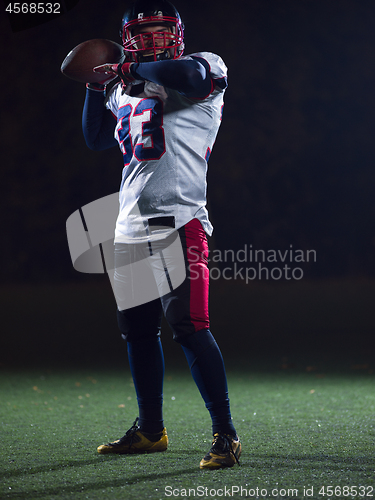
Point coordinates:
[(101, 84), (114, 70)]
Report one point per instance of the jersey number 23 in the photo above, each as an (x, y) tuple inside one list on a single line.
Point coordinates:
[(145, 122)]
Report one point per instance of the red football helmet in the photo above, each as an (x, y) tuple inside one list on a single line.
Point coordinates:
[(141, 43)]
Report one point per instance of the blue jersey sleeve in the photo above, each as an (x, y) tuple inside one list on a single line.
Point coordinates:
[(98, 123), (189, 77)]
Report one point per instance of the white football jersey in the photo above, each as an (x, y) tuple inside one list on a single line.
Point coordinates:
[(165, 139)]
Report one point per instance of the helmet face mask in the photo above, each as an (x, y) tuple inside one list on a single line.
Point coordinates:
[(151, 31)]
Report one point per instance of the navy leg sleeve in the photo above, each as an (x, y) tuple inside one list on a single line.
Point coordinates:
[(140, 327), (207, 368), (146, 362)]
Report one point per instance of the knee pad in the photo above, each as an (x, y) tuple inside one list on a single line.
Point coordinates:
[(199, 341), (140, 323)]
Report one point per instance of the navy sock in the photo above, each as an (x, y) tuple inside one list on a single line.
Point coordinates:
[(208, 371), (146, 362)]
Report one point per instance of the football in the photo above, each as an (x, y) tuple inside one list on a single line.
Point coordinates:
[(79, 63)]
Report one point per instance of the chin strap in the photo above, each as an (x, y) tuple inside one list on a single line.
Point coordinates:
[(163, 56)]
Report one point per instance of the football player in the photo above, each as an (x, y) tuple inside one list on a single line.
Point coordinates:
[(164, 113)]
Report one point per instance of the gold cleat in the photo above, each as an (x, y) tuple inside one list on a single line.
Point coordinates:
[(136, 441), (225, 452)]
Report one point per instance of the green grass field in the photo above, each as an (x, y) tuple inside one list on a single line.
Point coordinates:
[(302, 428)]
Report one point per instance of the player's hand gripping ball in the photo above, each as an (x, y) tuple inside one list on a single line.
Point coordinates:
[(122, 70), (79, 64)]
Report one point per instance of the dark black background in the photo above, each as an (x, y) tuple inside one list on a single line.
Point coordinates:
[(293, 164)]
